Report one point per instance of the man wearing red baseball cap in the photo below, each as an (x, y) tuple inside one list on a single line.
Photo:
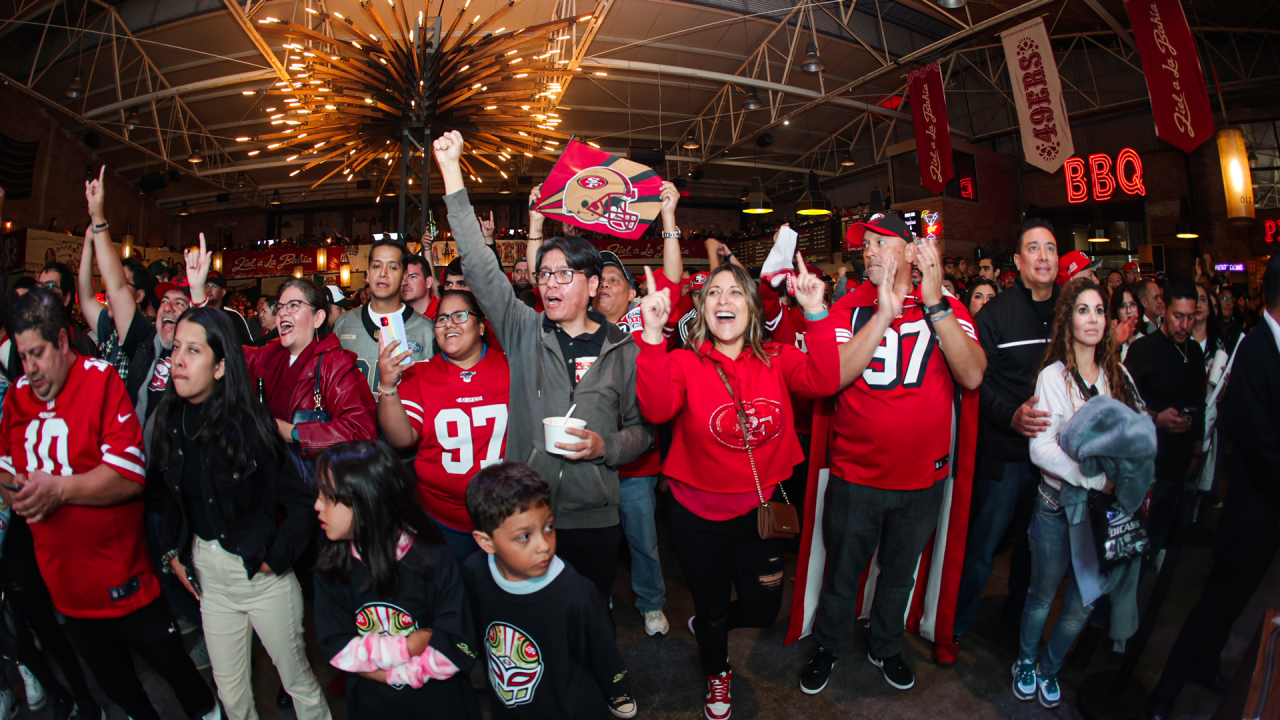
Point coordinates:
[(1132, 274), (1075, 264)]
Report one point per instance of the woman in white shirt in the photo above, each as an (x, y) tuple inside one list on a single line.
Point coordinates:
[(1082, 360)]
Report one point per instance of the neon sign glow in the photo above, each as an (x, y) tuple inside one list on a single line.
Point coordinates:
[(1104, 176)]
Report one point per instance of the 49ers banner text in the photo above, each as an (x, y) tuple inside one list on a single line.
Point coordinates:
[(600, 192)]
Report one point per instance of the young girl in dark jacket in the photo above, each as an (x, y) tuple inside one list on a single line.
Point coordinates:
[(390, 603), (227, 478)]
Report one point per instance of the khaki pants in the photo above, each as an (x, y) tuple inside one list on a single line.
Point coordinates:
[(232, 607)]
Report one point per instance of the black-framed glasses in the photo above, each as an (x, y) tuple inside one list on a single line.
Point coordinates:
[(458, 317), (564, 276), (292, 306), (50, 285)]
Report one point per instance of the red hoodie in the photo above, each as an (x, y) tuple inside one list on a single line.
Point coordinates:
[(706, 445)]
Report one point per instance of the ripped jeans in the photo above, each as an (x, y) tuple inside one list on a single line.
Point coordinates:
[(718, 556)]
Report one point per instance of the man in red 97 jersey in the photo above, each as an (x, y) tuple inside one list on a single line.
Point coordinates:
[(71, 439), (904, 348)]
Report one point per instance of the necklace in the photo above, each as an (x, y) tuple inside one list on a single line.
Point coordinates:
[(184, 424), (1181, 352)]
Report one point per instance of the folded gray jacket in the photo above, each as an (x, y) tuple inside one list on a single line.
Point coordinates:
[(585, 493)]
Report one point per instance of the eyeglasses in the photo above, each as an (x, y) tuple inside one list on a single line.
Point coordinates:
[(292, 306), (1129, 306), (458, 317), (49, 285), (564, 276)]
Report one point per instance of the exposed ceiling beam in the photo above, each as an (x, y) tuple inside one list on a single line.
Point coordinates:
[(1115, 25), (251, 76), (678, 71)]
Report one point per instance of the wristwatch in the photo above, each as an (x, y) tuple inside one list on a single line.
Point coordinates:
[(672, 235), (935, 309)]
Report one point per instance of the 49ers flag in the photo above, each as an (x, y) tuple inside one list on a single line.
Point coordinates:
[(597, 191), (933, 134), (1046, 135), (1175, 81)]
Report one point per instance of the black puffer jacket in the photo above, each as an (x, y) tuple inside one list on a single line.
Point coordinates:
[(244, 508), (1014, 339)]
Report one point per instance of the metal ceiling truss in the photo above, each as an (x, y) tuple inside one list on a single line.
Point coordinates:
[(162, 118)]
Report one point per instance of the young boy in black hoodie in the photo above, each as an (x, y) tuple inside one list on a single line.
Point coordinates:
[(547, 634)]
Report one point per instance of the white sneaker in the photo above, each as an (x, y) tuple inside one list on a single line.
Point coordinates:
[(8, 704), (655, 623), (35, 691)]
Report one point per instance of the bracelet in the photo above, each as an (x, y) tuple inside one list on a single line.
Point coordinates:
[(388, 393), (100, 228), (816, 316), (935, 309), (534, 238), (674, 234), (166, 560), (942, 316)]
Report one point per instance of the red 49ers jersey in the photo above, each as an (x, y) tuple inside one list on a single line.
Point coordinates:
[(94, 559), (894, 426), (461, 419)]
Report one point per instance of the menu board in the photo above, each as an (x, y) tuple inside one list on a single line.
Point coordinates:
[(814, 241)]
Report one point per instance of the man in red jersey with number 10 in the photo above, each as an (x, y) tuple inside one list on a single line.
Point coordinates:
[(903, 350), (71, 441)]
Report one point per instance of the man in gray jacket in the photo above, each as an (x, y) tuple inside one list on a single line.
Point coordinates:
[(568, 355)]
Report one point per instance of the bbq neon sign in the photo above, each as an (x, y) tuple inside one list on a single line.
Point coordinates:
[(1105, 176)]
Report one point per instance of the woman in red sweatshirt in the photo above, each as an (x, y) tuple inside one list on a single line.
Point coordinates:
[(713, 521)]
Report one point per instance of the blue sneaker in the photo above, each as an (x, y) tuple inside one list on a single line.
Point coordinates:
[(1024, 680), (1048, 692)]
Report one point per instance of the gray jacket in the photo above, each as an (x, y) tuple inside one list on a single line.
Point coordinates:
[(357, 333), (585, 493)]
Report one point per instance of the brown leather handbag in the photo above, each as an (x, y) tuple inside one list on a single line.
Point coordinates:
[(774, 519)]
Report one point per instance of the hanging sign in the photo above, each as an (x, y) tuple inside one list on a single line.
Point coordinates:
[(1042, 117), (600, 192), (280, 262), (1104, 176), (1175, 81), (933, 134)]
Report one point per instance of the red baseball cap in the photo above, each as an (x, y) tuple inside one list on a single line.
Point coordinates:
[(1074, 263), (697, 280), (179, 283), (881, 224), (1131, 265)]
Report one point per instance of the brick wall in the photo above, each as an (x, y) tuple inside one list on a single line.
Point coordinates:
[(58, 186)]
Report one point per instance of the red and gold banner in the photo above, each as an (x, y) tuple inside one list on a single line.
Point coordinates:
[(600, 192), (1175, 80), (281, 262), (1042, 117), (933, 134)]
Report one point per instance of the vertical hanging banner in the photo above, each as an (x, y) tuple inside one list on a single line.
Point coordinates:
[(933, 134), (1042, 118), (597, 191), (1175, 80)]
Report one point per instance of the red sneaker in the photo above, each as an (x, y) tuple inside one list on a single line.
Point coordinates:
[(338, 685), (719, 706), (945, 653)]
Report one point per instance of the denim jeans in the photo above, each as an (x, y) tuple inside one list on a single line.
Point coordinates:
[(1050, 562), (461, 544), (636, 513), (859, 521), (997, 505)]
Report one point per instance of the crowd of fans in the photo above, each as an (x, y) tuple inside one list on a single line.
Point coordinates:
[(446, 464)]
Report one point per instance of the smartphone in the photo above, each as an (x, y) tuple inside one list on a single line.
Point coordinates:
[(393, 329), (11, 487), (195, 584), (1187, 412)]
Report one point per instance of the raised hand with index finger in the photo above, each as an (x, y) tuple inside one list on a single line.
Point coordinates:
[(808, 288), (655, 308)]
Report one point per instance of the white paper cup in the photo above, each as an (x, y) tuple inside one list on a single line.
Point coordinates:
[(554, 429)]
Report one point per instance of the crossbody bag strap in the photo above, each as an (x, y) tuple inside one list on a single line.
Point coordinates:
[(746, 443)]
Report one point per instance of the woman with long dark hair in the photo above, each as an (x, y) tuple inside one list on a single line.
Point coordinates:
[(981, 292), (1125, 315), (227, 478), (452, 408), (305, 370), (1082, 361), (390, 603), (719, 471)]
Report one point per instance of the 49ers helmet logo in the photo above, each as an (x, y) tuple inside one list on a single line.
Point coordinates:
[(764, 422), (600, 195)]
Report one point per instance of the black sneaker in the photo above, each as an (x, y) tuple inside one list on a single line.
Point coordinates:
[(896, 672), (815, 675)]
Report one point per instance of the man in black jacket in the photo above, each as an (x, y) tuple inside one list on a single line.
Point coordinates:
[(1250, 531), (1013, 330)]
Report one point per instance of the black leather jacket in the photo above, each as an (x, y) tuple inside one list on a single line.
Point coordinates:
[(244, 508)]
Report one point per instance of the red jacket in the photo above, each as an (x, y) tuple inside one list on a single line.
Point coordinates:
[(706, 444), (344, 392)]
